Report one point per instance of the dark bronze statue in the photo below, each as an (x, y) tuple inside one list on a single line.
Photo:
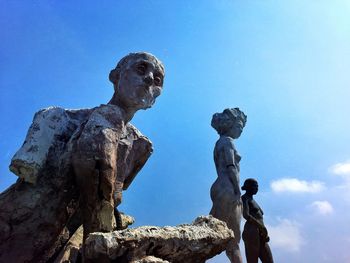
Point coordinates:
[(225, 192), (255, 234)]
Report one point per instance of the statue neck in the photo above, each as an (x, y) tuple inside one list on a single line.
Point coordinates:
[(128, 112)]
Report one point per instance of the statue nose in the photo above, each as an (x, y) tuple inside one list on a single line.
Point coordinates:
[(149, 79)]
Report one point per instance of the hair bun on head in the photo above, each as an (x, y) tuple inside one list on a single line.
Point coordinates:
[(215, 121), (222, 122)]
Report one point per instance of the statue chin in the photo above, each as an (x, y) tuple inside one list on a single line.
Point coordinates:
[(145, 103)]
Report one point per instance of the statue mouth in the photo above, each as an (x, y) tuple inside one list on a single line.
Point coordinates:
[(145, 89), (146, 96)]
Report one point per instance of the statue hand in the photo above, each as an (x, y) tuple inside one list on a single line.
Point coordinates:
[(263, 232)]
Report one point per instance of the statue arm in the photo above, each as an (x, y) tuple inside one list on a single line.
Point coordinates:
[(229, 154), (96, 153), (234, 178), (247, 216), (230, 163)]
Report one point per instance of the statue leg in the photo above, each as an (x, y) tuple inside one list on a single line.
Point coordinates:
[(251, 240), (234, 223), (233, 253), (265, 254)]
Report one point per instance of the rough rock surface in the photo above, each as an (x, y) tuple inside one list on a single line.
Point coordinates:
[(72, 250), (50, 127), (39, 213), (150, 259), (192, 243)]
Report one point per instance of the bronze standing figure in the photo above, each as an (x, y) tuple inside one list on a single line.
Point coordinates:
[(225, 192), (255, 234)]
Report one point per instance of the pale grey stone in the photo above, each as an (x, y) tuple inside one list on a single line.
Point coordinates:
[(188, 243), (48, 127)]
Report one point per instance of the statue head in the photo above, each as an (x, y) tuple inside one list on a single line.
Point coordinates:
[(138, 81), (230, 122), (251, 186)]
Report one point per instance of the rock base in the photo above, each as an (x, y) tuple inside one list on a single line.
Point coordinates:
[(190, 243)]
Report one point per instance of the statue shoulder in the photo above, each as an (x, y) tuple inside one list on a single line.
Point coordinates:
[(106, 115), (51, 126), (225, 142), (246, 198)]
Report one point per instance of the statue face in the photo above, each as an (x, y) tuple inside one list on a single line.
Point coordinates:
[(237, 129), (255, 188), (140, 83)]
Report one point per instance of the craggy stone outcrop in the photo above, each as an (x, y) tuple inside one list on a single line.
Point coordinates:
[(190, 243), (39, 213), (72, 250)]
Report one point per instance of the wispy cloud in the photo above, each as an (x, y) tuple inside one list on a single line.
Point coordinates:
[(286, 235), (296, 185), (323, 207), (341, 168)]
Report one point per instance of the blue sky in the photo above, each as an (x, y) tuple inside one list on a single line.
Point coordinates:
[(284, 63)]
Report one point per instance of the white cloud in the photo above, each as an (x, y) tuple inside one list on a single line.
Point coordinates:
[(323, 207), (296, 185), (286, 236), (341, 168)]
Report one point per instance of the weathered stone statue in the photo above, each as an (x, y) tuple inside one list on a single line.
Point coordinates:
[(225, 192), (255, 234), (138, 81), (89, 155)]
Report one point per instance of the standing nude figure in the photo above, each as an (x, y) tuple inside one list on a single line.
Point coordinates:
[(255, 234), (138, 80), (225, 192)]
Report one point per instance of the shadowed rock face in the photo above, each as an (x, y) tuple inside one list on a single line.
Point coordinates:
[(72, 250), (192, 243), (40, 212)]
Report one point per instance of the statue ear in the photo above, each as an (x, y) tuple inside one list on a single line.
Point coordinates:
[(113, 76)]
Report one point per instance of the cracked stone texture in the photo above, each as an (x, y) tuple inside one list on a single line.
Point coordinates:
[(150, 259), (188, 243), (72, 250), (39, 213)]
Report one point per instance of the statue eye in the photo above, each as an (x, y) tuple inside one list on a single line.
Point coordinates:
[(158, 80), (141, 69)]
